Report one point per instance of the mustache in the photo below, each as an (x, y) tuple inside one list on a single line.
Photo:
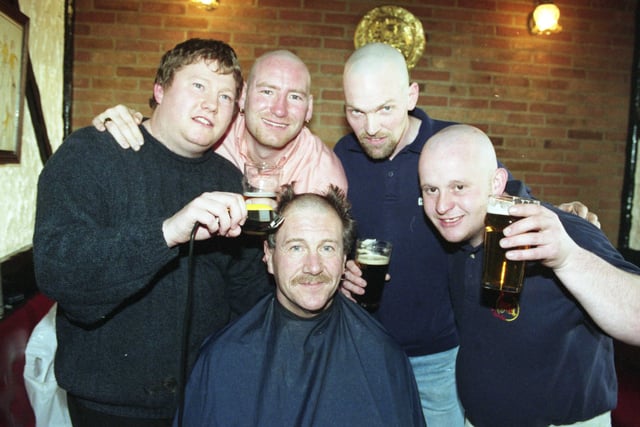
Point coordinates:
[(306, 278)]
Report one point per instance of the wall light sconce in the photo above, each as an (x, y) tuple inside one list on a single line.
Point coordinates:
[(208, 4), (544, 19)]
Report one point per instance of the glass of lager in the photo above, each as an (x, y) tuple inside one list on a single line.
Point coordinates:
[(372, 256), (499, 273), (260, 185)]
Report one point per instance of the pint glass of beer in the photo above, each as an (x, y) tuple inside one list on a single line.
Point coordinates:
[(372, 256), (499, 273), (260, 185)]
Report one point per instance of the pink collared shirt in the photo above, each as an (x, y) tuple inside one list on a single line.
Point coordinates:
[(306, 160)]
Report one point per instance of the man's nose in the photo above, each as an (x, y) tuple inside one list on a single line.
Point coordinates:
[(312, 263), (443, 203), (372, 125), (279, 106), (210, 103)]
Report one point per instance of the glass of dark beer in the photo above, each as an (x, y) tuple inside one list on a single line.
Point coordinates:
[(372, 256), (499, 273), (260, 185)]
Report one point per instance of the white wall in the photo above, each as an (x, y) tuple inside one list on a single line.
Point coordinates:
[(18, 182)]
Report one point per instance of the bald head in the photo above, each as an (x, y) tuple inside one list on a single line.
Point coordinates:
[(282, 59), (465, 143), (458, 171), (277, 102), (377, 58), (378, 98)]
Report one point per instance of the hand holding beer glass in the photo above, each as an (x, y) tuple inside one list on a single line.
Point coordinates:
[(260, 185), (498, 272), (372, 256)]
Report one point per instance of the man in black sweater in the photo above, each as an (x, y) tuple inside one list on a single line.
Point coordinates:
[(110, 245)]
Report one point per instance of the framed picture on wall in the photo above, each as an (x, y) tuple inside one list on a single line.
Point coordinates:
[(14, 29)]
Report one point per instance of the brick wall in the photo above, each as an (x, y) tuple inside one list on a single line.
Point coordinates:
[(555, 107)]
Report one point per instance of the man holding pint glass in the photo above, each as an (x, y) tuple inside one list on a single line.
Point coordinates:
[(544, 355)]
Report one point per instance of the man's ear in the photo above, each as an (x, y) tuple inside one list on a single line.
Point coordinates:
[(268, 256), (243, 97), (309, 114), (158, 92), (500, 178), (414, 94)]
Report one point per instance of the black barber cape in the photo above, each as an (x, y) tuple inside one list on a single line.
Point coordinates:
[(272, 368)]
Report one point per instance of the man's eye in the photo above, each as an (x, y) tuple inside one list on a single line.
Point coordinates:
[(328, 249), (459, 187), (198, 85)]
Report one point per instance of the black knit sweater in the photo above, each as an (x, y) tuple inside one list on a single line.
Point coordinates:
[(100, 253)]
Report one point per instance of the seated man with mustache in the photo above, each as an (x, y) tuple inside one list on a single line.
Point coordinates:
[(306, 356)]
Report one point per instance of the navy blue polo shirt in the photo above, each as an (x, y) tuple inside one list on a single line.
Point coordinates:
[(537, 360), (386, 199)]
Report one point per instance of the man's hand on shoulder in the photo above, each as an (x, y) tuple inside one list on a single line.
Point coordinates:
[(122, 123), (580, 209)]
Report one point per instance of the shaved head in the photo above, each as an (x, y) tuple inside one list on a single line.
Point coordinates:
[(378, 58), (378, 98), (458, 171), (281, 58), (463, 142), (276, 102)]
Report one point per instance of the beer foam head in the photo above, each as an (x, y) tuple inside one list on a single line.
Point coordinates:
[(269, 194), (370, 258), (373, 252), (499, 205)]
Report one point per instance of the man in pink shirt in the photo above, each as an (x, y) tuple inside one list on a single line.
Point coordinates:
[(275, 106)]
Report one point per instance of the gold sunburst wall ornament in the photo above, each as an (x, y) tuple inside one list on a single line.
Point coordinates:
[(395, 26)]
